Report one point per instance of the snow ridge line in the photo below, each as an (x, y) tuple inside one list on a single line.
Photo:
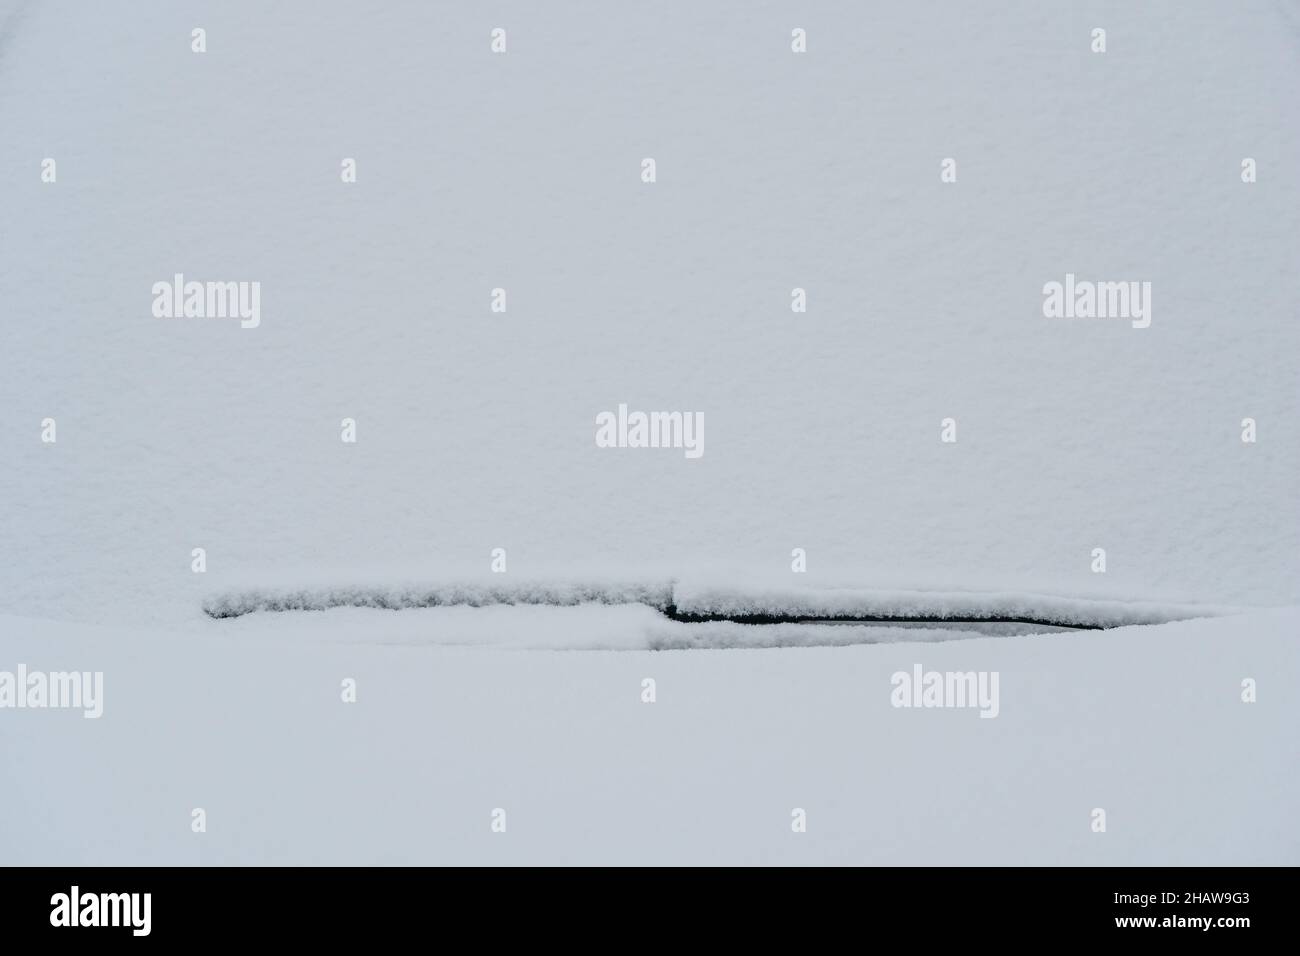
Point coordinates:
[(241, 602), (695, 604)]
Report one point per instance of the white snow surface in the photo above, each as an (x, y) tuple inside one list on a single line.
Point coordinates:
[(245, 721), (819, 171)]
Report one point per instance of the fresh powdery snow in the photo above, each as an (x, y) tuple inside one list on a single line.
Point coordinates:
[(398, 446), (458, 712)]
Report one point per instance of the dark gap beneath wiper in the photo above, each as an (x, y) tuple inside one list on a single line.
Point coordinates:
[(686, 617)]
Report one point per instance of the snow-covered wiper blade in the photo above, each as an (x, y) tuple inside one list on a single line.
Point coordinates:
[(702, 603)]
